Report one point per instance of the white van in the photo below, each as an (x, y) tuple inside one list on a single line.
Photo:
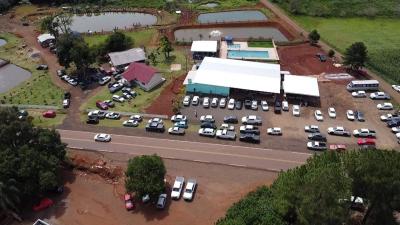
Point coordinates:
[(285, 106)]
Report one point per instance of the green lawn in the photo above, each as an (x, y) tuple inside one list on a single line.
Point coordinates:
[(39, 120), (260, 44), (39, 89), (141, 37), (381, 35)]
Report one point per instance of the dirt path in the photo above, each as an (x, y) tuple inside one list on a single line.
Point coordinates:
[(368, 73)]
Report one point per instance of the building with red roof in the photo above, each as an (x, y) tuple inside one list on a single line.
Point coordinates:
[(143, 75)]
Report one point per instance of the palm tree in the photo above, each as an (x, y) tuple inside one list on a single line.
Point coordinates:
[(9, 196)]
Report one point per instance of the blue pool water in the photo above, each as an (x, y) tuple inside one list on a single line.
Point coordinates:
[(238, 54), (234, 46)]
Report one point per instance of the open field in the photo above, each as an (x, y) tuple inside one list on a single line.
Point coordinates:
[(39, 120), (382, 37), (39, 89), (142, 37)]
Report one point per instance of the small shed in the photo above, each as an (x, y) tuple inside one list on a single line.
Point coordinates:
[(201, 49), (143, 75)]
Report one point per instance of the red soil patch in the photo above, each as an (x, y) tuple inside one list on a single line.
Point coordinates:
[(301, 60), (163, 104)]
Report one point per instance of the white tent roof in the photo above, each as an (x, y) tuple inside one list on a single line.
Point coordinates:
[(126, 57), (44, 37), (204, 46), (190, 76), (301, 85), (246, 75)]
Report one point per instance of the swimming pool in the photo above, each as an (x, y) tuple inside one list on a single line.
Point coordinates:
[(233, 46), (240, 54)]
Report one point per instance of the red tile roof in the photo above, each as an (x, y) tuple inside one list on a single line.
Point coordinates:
[(140, 72)]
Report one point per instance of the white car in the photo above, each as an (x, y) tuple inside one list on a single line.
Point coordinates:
[(155, 120), (113, 116), (222, 103), (396, 130), (285, 106), (264, 105), (254, 105), (178, 117), (207, 132), (296, 110), (195, 100), (379, 96), (227, 127), (186, 100), (207, 118), (318, 115), (350, 115), (385, 106), (104, 80), (189, 189), (177, 188), (231, 103), (396, 87), (130, 123), (387, 117), (332, 112), (118, 98), (206, 102), (102, 137), (359, 94), (274, 131), (138, 118), (214, 102)]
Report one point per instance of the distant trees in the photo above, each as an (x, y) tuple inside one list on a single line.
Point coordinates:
[(56, 24), (356, 56), (117, 41), (9, 196), (145, 175), (314, 37), (319, 192)]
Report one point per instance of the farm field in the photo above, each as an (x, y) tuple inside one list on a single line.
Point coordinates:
[(381, 35), (139, 38)]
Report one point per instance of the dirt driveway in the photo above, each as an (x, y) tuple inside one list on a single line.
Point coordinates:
[(89, 199)]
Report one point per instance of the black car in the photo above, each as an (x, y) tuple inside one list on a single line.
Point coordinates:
[(230, 119), (22, 114), (317, 137), (208, 125), (155, 127), (247, 104), (321, 57), (252, 138), (393, 122), (277, 107), (67, 95), (92, 120), (359, 116), (238, 105)]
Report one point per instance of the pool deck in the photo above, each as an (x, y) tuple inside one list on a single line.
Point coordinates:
[(223, 52)]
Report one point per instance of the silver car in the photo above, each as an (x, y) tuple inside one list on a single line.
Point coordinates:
[(102, 137), (161, 202)]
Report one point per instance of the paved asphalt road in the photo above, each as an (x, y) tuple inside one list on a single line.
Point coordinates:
[(252, 157)]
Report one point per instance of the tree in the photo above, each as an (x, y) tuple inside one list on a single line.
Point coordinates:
[(331, 53), (314, 37), (145, 175), (49, 24), (9, 196), (153, 58), (356, 55), (166, 47), (117, 41)]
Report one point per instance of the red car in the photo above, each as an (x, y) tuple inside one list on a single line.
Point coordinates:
[(43, 204), (101, 105), (129, 204), (366, 141), (49, 114)]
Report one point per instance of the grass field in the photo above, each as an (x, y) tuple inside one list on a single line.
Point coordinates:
[(39, 120), (381, 35), (39, 89), (139, 37), (260, 44)]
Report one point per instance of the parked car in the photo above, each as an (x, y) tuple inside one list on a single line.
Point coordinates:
[(385, 106), (254, 105), (249, 129), (231, 104), (350, 115), (285, 106), (317, 137), (364, 132), (176, 130), (227, 127), (208, 125), (136, 117), (318, 115), (104, 80), (389, 116), (97, 113), (92, 120), (109, 103), (209, 132), (178, 117), (214, 102), (340, 131), (274, 131), (230, 119), (162, 200), (186, 100), (22, 114), (396, 87), (66, 103), (251, 120), (155, 120), (222, 103), (249, 137), (49, 114), (238, 105), (130, 123), (332, 112), (101, 105), (311, 128), (129, 204), (195, 100), (338, 147), (190, 189), (396, 130), (177, 187), (366, 141), (127, 95), (207, 118), (393, 122), (181, 124), (247, 104), (206, 102), (264, 105), (61, 72), (115, 87), (226, 134), (359, 116), (113, 116), (359, 94), (102, 137), (296, 110), (42, 67), (43, 204), (67, 95), (72, 82), (379, 96), (316, 145), (321, 57), (155, 127), (277, 107), (118, 98)]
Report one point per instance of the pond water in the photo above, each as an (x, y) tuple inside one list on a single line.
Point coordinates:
[(2, 42), (109, 21), (188, 35), (12, 75), (210, 5), (232, 16)]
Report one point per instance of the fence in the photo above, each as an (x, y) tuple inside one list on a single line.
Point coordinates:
[(145, 115), (31, 106)]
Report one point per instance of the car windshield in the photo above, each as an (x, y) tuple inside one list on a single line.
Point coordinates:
[(175, 189), (188, 190)]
